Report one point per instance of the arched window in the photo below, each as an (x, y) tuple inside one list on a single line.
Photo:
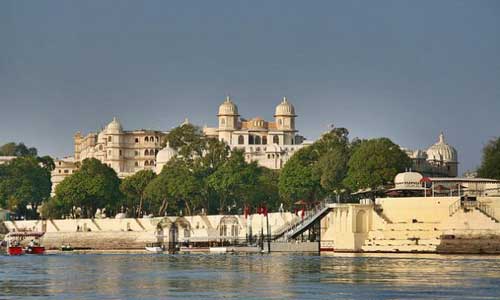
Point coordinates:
[(136, 140), (250, 140), (276, 139), (264, 140), (157, 139), (151, 138), (156, 151), (146, 139), (222, 122), (152, 163), (241, 140), (257, 140), (136, 164), (146, 152), (146, 163)]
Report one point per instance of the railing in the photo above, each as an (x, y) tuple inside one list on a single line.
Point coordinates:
[(487, 210), (299, 225), (380, 212), (454, 207)]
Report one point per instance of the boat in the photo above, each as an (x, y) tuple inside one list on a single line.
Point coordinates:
[(66, 248), (13, 243), (155, 247)]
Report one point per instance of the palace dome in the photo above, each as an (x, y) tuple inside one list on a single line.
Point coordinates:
[(258, 123), (285, 108), (408, 180), (163, 156), (441, 151), (114, 126), (228, 108)]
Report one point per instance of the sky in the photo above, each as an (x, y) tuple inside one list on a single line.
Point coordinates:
[(406, 70)]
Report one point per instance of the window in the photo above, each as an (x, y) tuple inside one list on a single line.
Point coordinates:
[(151, 139), (257, 140), (280, 122), (66, 171), (146, 163), (146, 152), (241, 140), (276, 139), (264, 140), (109, 139), (136, 164), (156, 151), (222, 122), (136, 140), (146, 139), (59, 171), (250, 139), (136, 153), (157, 139), (120, 152)]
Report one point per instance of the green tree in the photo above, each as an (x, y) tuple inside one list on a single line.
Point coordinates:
[(133, 188), (375, 163), (188, 140), (13, 149), (490, 164), (24, 185), (94, 185), (158, 195), (298, 179)]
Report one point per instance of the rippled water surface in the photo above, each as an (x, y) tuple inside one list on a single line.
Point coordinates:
[(144, 276)]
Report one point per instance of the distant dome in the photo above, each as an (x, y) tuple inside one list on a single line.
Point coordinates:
[(285, 108), (163, 157), (228, 107), (441, 151), (408, 180), (114, 126), (258, 123)]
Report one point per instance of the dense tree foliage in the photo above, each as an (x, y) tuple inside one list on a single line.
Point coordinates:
[(93, 186), (375, 163), (13, 149), (134, 190), (490, 164), (24, 185)]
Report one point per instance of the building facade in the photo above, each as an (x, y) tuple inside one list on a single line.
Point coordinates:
[(125, 151), (269, 143)]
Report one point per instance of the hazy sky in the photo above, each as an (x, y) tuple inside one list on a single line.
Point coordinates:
[(401, 69)]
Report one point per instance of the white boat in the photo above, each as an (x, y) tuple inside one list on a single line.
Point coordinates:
[(155, 248)]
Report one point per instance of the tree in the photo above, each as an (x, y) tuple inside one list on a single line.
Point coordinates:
[(188, 140), (375, 163), (157, 193), (13, 149), (24, 185), (94, 185), (490, 163), (133, 187), (298, 180)]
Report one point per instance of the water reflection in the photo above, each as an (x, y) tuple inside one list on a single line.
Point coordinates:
[(344, 276)]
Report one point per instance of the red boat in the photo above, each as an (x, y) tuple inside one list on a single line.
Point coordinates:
[(13, 242)]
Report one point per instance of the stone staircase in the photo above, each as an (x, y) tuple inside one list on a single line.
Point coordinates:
[(403, 237)]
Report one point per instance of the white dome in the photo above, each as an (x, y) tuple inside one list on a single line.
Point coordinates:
[(165, 154), (228, 108), (441, 151), (408, 180), (163, 157), (285, 108), (114, 126)]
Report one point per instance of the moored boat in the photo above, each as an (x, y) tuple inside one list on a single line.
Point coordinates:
[(155, 247), (13, 243)]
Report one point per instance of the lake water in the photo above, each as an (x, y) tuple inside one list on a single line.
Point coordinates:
[(231, 276)]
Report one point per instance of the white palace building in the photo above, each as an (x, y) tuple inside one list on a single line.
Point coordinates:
[(269, 143)]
